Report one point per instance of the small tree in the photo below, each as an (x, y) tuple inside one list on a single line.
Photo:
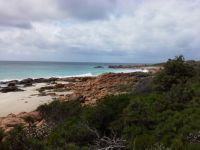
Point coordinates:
[(176, 71)]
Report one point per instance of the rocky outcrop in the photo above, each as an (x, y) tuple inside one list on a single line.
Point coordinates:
[(92, 90), (88, 90), (26, 81), (11, 84), (10, 89), (9, 122)]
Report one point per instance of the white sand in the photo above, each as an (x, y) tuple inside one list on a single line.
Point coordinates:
[(23, 101)]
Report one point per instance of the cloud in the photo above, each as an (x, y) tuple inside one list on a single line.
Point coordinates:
[(21, 14), (88, 9), (106, 30)]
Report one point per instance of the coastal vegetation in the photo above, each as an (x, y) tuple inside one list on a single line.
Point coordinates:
[(160, 113)]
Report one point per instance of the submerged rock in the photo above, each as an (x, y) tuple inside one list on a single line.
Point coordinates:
[(99, 67)]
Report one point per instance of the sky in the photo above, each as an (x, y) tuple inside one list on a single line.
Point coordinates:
[(137, 31)]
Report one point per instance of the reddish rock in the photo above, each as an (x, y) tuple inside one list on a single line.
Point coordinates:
[(34, 114), (90, 90), (9, 122)]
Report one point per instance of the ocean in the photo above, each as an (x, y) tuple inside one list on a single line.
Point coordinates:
[(12, 70)]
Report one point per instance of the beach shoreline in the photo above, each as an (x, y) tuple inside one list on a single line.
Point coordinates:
[(24, 96), (29, 93)]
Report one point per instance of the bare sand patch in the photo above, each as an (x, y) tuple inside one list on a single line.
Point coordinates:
[(23, 101)]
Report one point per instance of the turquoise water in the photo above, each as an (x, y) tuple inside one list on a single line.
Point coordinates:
[(10, 70)]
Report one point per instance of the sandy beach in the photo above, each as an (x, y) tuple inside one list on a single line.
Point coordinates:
[(25, 101), (22, 101)]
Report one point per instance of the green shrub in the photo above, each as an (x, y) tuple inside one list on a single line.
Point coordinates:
[(144, 141), (17, 139), (58, 111), (178, 97), (175, 71), (106, 113), (138, 112), (70, 131)]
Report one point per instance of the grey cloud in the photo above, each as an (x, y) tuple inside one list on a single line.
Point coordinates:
[(150, 31), (25, 25), (21, 14), (88, 9)]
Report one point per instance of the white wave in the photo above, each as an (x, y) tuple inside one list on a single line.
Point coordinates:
[(6, 80), (130, 70), (79, 75)]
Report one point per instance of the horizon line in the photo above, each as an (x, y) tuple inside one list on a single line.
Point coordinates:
[(50, 61)]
